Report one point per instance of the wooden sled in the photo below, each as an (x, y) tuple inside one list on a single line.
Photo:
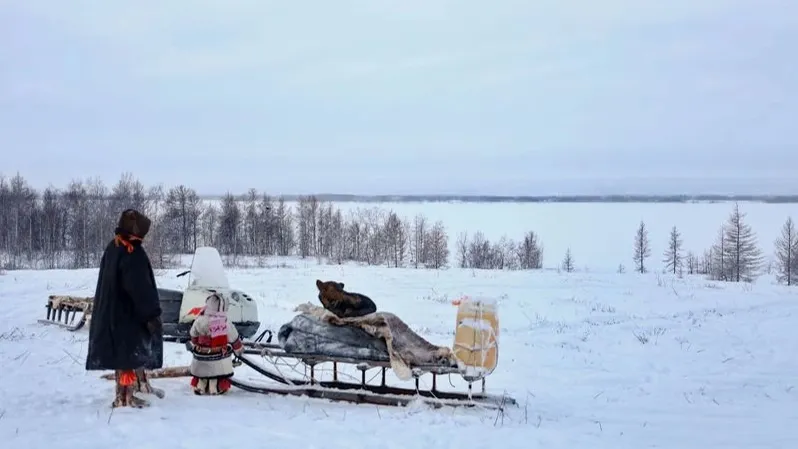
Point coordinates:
[(63, 309), (476, 349)]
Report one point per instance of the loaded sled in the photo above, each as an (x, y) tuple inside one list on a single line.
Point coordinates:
[(206, 276), (382, 342), (316, 352)]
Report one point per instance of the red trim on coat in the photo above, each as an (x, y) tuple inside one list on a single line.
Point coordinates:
[(208, 342), (237, 345)]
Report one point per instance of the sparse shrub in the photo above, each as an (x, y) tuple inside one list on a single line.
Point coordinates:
[(644, 336)]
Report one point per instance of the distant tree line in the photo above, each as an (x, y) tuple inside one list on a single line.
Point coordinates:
[(734, 256), (69, 228)]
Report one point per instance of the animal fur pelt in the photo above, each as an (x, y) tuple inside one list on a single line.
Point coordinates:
[(406, 348)]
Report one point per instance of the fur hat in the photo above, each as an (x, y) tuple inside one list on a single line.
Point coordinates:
[(134, 223)]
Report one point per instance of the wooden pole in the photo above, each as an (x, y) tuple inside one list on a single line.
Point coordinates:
[(169, 371)]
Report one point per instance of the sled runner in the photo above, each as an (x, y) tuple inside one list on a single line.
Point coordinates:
[(180, 308)]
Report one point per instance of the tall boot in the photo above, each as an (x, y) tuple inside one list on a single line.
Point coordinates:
[(143, 385), (213, 387), (125, 386), (199, 385), (224, 385)]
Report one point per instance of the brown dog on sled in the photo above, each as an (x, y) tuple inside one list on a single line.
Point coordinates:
[(342, 303)]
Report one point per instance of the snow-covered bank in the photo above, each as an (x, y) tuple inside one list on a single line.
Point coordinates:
[(600, 361)]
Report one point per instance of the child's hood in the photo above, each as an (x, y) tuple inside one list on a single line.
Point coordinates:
[(216, 303)]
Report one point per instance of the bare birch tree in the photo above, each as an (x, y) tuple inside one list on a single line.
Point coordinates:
[(479, 251), (155, 242), (285, 238), (229, 235), (530, 252), (692, 263), (504, 256), (462, 250), (395, 239), (437, 244), (418, 255)]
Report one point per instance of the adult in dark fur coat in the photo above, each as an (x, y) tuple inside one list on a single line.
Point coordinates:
[(126, 332)]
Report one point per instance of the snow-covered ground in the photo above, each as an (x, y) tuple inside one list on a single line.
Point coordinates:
[(595, 361)]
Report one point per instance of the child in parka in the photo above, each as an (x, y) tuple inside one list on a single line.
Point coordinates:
[(214, 338)]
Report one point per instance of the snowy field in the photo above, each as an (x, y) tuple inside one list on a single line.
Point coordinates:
[(595, 361)]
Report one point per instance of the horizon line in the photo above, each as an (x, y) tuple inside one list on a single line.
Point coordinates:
[(472, 198)]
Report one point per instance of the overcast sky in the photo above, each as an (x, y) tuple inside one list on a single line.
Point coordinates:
[(404, 96)]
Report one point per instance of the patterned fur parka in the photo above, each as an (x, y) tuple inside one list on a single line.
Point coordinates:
[(214, 338)]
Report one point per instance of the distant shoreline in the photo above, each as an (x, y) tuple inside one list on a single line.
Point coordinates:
[(345, 198)]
